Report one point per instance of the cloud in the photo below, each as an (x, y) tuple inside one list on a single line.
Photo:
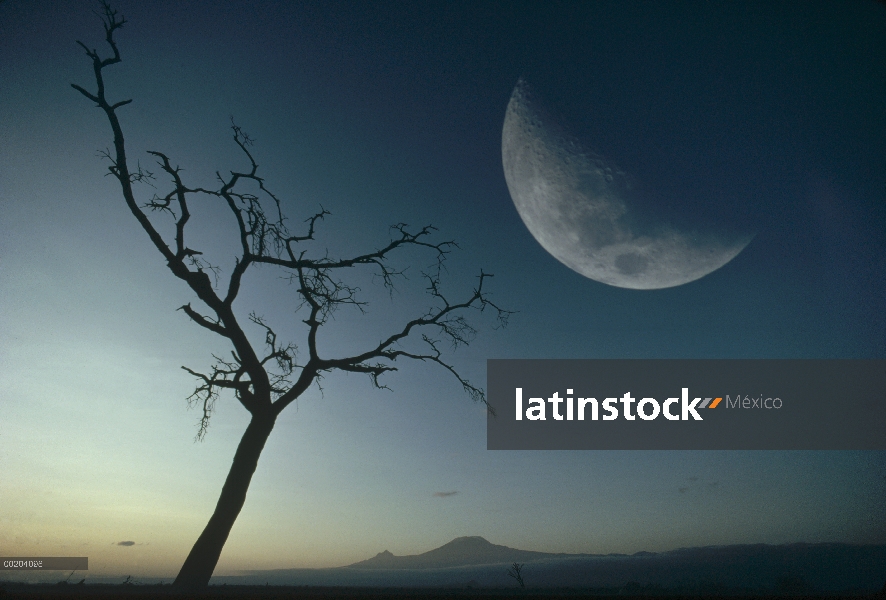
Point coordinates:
[(699, 486), (444, 494), (126, 543)]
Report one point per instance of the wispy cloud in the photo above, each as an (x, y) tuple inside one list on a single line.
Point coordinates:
[(126, 543), (444, 494), (697, 486)]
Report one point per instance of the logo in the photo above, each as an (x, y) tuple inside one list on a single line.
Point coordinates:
[(647, 409)]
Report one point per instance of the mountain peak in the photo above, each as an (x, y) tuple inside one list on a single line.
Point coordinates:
[(470, 539), (462, 551)]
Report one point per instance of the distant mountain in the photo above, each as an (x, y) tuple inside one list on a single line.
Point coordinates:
[(752, 568), (460, 552)]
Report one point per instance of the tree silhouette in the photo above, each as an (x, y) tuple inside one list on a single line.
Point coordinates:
[(265, 380), (516, 571)]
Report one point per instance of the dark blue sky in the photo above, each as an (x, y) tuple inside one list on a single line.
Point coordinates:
[(768, 116)]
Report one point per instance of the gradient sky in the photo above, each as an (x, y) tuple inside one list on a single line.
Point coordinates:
[(769, 115)]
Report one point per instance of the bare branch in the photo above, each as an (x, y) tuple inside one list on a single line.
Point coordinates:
[(283, 356), (225, 375), (212, 325), (84, 92), (273, 377), (447, 320)]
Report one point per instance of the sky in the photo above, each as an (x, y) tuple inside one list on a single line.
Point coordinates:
[(771, 116)]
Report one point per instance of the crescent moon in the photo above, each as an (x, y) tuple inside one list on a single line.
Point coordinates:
[(586, 212)]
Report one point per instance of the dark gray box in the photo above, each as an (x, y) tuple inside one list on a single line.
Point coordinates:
[(44, 563), (821, 404)]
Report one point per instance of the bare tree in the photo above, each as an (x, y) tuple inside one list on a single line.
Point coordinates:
[(515, 571), (265, 380)]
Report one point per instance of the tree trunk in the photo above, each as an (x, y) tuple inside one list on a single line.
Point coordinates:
[(201, 561)]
